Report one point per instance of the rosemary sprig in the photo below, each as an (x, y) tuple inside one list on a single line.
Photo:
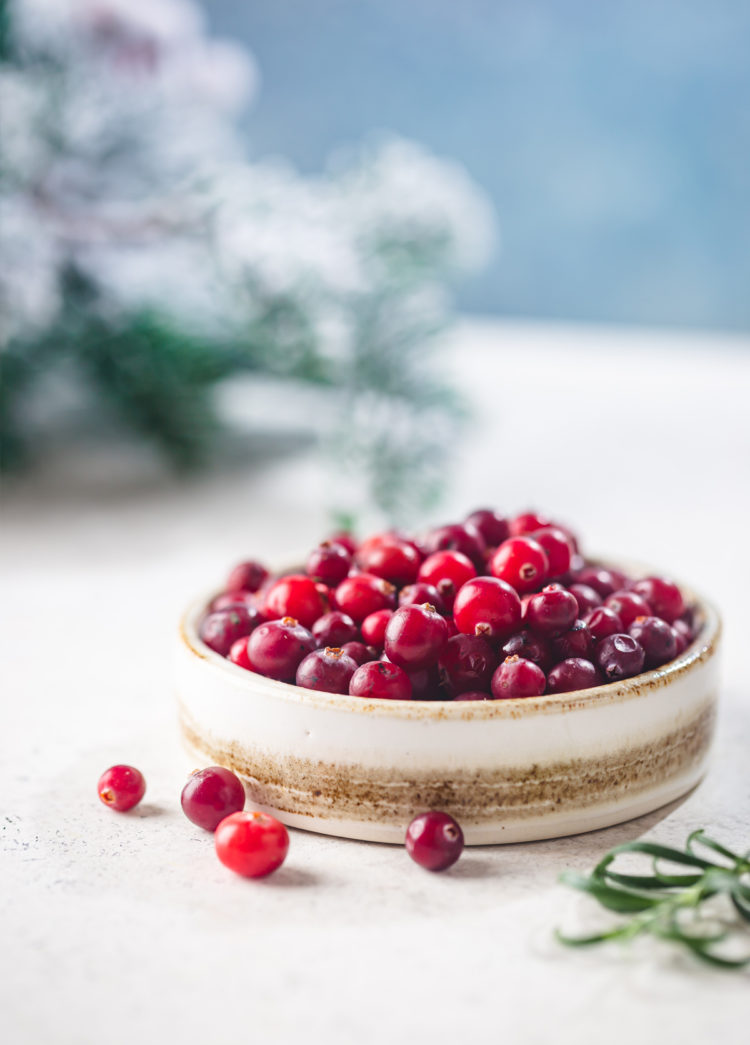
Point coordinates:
[(668, 905)]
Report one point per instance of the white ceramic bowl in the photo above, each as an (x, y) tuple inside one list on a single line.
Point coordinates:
[(509, 770)]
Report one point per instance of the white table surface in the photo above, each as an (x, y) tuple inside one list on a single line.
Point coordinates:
[(118, 929)]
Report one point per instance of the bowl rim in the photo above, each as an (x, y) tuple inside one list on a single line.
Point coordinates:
[(701, 649)]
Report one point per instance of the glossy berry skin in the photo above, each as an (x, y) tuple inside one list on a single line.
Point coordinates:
[(603, 622), (425, 684), (488, 607), (346, 540), (473, 695), (247, 576), (363, 594), (121, 787), (457, 538), (516, 677), (251, 844), (275, 649), (587, 599), (447, 571), (392, 559), (658, 639), (466, 663), (682, 636), (373, 627), (420, 593), (380, 680), (493, 528), (620, 657), (552, 611), (526, 523), (238, 654), (329, 563), (434, 840), (220, 629), (557, 547), (575, 642), (628, 605), (359, 652), (572, 674), (663, 596), (604, 582), (530, 647), (295, 596), (327, 670), (210, 795), (522, 563), (334, 629), (415, 637), (229, 600)]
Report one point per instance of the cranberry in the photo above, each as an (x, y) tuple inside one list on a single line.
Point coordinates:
[(219, 630), (527, 523), (628, 605), (345, 539), (210, 795), (657, 639), (457, 538), (121, 787), (683, 629), (328, 670), (415, 636), (620, 657), (663, 596), (393, 560), (380, 680), (447, 571), (493, 528), (251, 844), (247, 576), (573, 643), (603, 622), (587, 598), (229, 600), (517, 677), (434, 840), (466, 663), (275, 649), (604, 582), (373, 627), (530, 647), (419, 594), (359, 652), (574, 673), (473, 695), (487, 606), (522, 563), (363, 594), (681, 642), (557, 547), (329, 564), (295, 596), (238, 654), (425, 684), (335, 629), (552, 611)]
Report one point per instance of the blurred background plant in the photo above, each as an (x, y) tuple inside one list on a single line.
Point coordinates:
[(145, 260)]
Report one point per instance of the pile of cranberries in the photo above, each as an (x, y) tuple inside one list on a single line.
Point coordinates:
[(490, 608)]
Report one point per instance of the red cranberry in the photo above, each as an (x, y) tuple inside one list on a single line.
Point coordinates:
[(657, 639), (530, 647), (516, 677), (251, 844), (229, 600), (552, 611), (466, 663), (210, 795), (220, 629), (603, 622), (334, 629), (420, 593), (574, 643), (295, 596), (415, 636), (681, 642), (238, 654), (434, 840), (373, 627), (683, 629), (247, 576), (380, 680), (276, 649), (628, 605), (447, 571), (587, 599), (473, 695), (487, 606), (393, 560), (522, 563), (604, 582), (457, 538), (359, 652), (329, 564), (527, 523), (663, 596), (121, 787), (574, 673), (493, 528), (363, 594), (557, 547), (345, 539), (328, 670), (620, 657), (425, 684)]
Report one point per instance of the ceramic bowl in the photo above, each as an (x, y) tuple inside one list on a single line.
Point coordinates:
[(510, 770)]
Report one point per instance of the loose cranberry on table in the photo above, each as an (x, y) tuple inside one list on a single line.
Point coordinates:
[(121, 787), (335, 629), (420, 593), (329, 563), (466, 663), (572, 674), (488, 607), (620, 657), (295, 596), (363, 594), (275, 649), (328, 670), (247, 576), (552, 611), (210, 795), (493, 528), (380, 680), (658, 639), (663, 596), (516, 677), (220, 629), (251, 844), (393, 560), (434, 840), (373, 627), (415, 636), (522, 563)]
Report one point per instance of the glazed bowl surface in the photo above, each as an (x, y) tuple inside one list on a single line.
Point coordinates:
[(507, 770)]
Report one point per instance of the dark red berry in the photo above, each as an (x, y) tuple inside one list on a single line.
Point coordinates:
[(425, 684), (457, 538), (380, 680), (359, 652), (620, 657), (210, 795), (587, 598), (346, 539), (420, 593), (527, 523), (604, 582), (219, 630), (363, 594), (493, 528), (473, 695), (434, 840), (657, 638), (328, 670), (663, 596), (522, 563), (251, 844), (276, 649), (415, 636), (557, 547), (530, 647), (373, 627), (684, 631), (575, 642), (552, 611), (329, 564), (488, 607), (628, 605), (121, 787), (447, 571), (238, 654), (295, 596), (516, 677), (681, 642), (247, 576), (572, 674), (603, 622), (392, 559), (334, 629), (229, 600), (466, 663)]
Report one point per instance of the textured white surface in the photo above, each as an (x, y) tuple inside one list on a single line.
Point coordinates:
[(126, 928)]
